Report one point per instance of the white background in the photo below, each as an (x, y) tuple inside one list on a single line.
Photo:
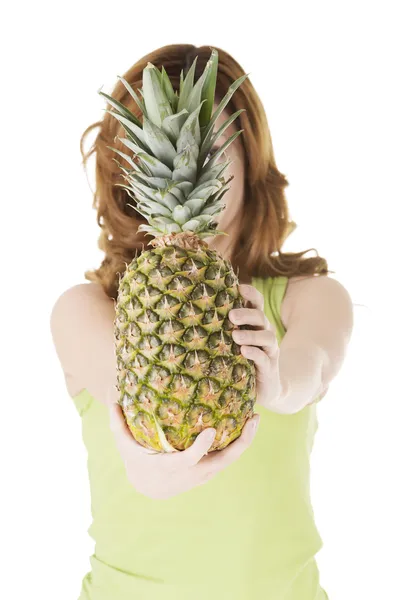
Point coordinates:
[(326, 73)]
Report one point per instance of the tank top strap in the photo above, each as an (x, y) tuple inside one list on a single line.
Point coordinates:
[(82, 401), (273, 289)]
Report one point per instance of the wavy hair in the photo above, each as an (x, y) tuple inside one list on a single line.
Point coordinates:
[(266, 223)]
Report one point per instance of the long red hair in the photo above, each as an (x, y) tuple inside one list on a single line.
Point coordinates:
[(266, 223)]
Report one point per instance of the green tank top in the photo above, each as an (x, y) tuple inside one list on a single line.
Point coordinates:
[(248, 534)]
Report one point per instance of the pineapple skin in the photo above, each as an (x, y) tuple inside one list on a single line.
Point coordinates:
[(178, 369)]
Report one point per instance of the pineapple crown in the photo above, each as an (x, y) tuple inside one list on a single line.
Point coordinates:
[(175, 188)]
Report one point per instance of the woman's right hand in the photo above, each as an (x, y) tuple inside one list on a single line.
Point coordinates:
[(163, 475)]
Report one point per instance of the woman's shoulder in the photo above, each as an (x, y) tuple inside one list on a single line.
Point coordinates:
[(292, 288), (303, 287), (81, 324), (77, 304), (81, 290)]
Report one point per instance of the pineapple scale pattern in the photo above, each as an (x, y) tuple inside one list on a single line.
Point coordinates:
[(178, 368)]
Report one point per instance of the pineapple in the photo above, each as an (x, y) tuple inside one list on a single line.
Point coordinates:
[(178, 369)]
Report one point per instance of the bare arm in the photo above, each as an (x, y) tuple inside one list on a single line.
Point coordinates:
[(82, 329), (318, 332)]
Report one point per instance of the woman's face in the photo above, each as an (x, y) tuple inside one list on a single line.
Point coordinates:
[(229, 219)]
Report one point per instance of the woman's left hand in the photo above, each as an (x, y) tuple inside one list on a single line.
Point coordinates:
[(260, 345)]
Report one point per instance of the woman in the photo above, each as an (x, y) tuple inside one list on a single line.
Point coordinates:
[(229, 524)]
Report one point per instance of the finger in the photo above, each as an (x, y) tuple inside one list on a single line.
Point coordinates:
[(218, 460), (249, 316), (257, 337), (123, 436), (252, 295), (260, 358), (192, 455)]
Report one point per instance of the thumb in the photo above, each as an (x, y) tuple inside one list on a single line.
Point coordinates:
[(117, 419), (118, 424), (192, 455), (112, 395)]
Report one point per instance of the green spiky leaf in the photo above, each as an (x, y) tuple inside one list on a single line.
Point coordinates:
[(232, 89), (173, 185), (186, 86), (134, 96), (121, 109), (211, 138), (172, 125), (155, 99), (168, 89), (221, 150), (208, 92), (160, 145)]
